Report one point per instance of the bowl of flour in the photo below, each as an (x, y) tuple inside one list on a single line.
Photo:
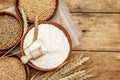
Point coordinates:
[(55, 44)]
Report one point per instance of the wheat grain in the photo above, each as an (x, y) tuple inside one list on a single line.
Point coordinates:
[(25, 30), (11, 69), (43, 8), (9, 31)]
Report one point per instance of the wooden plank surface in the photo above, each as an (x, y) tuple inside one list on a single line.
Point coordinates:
[(6, 3), (81, 5), (101, 65), (104, 65), (93, 5), (100, 31)]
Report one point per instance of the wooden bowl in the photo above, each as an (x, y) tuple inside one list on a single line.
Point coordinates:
[(58, 26), (26, 67), (21, 29), (32, 21)]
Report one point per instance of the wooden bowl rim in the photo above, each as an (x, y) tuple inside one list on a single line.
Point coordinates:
[(58, 26), (27, 71), (20, 25), (32, 21)]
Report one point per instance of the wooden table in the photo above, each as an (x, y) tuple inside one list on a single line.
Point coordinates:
[(100, 23)]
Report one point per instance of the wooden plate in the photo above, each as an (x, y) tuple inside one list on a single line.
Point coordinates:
[(21, 29), (26, 67), (58, 26)]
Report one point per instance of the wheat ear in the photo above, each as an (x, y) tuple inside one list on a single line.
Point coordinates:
[(25, 20), (36, 29), (69, 67), (81, 75)]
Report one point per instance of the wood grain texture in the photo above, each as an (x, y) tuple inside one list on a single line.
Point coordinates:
[(100, 31), (104, 65), (93, 5), (6, 4)]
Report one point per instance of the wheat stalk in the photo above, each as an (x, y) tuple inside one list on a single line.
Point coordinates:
[(42, 76), (53, 72), (81, 75), (39, 73), (69, 67), (87, 76), (35, 32), (48, 74), (74, 76)]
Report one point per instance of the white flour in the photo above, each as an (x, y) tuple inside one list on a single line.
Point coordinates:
[(53, 42)]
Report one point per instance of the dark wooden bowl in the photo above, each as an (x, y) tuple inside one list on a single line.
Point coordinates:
[(26, 67), (21, 30), (32, 21), (58, 26)]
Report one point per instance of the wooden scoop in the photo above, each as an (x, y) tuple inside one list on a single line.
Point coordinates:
[(33, 55)]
